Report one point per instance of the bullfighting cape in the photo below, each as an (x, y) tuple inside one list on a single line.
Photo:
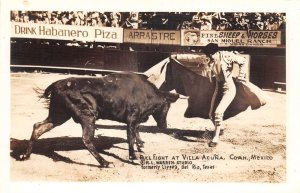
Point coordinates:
[(190, 81)]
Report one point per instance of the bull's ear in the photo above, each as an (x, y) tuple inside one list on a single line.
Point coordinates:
[(171, 97)]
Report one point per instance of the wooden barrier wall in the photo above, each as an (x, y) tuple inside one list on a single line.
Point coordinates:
[(268, 65)]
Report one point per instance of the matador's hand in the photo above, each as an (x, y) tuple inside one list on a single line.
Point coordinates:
[(173, 56), (241, 78)]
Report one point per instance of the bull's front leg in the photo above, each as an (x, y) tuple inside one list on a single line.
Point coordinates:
[(139, 141), (131, 129)]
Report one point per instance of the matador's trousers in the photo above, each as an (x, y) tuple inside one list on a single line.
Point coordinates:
[(217, 109)]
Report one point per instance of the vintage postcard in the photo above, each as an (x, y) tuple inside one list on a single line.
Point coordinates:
[(153, 99)]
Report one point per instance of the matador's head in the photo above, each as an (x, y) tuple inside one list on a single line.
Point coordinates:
[(210, 49)]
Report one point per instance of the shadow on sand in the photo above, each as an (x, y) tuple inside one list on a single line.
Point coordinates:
[(184, 135), (49, 146)]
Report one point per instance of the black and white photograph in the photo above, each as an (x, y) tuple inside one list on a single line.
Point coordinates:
[(156, 95)]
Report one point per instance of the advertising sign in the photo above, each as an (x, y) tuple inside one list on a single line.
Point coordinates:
[(66, 32), (169, 37), (231, 38)]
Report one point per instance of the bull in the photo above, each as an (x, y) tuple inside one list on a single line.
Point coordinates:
[(124, 97)]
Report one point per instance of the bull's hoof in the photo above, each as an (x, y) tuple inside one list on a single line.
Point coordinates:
[(212, 144), (135, 162), (140, 150), (23, 157), (108, 165), (221, 132), (132, 157), (141, 141), (141, 145)]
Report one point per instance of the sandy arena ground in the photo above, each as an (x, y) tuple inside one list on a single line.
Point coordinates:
[(59, 155)]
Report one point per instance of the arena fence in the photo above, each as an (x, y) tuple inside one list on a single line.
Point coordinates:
[(267, 65)]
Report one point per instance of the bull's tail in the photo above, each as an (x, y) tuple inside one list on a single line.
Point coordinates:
[(39, 92), (44, 94), (48, 91)]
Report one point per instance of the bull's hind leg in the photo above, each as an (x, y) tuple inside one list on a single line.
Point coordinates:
[(39, 129), (57, 116), (88, 127)]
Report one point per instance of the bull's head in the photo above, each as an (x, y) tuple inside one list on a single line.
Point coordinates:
[(160, 115)]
